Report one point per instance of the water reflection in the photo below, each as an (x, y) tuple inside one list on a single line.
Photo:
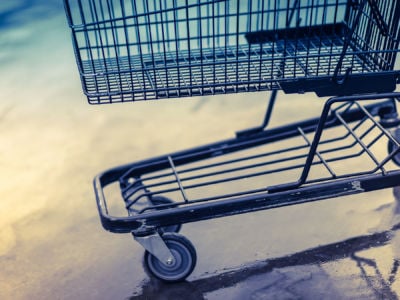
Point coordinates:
[(154, 289), (376, 281), (380, 278)]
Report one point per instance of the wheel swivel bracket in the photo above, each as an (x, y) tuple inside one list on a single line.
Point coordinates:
[(157, 247)]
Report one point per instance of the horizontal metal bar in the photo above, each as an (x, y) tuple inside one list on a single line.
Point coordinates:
[(145, 14), (210, 210), (81, 27), (236, 144)]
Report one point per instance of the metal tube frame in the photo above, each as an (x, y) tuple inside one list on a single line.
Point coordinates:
[(291, 193)]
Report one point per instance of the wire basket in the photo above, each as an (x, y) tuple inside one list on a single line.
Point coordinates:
[(131, 50)]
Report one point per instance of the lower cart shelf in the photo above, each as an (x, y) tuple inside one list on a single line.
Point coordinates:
[(351, 148)]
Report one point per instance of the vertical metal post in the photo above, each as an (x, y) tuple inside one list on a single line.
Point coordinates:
[(267, 117)]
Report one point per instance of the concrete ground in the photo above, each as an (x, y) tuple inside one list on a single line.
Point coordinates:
[(52, 245)]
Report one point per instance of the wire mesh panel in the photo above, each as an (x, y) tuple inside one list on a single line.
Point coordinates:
[(149, 49)]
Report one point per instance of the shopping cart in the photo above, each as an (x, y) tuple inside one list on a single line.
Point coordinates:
[(131, 50)]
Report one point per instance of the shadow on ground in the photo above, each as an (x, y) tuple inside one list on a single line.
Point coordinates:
[(380, 287)]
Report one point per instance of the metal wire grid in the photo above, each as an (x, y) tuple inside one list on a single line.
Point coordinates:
[(337, 156), (218, 71), (148, 49), (376, 35)]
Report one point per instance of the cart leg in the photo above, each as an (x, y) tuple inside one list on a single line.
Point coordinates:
[(170, 257), (268, 113), (155, 245)]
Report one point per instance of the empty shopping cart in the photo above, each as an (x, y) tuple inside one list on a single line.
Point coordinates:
[(342, 50)]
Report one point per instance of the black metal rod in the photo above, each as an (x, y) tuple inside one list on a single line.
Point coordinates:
[(318, 133), (240, 205), (267, 117), (323, 161), (178, 181)]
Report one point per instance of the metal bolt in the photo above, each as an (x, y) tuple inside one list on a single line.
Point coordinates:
[(169, 261)]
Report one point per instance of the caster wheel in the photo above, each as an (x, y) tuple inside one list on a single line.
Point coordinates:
[(159, 200), (392, 146), (184, 259)]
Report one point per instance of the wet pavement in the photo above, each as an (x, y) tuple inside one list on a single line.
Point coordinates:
[(52, 245), (343, 270), (360, 267)]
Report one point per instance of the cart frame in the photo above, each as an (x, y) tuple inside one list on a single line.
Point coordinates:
[(274, 196), (129, 50)]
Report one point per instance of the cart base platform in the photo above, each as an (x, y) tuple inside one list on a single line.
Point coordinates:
[(353, 147)]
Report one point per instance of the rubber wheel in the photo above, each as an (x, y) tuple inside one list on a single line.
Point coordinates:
[(160, 200), (184, 259), (392, 146)]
